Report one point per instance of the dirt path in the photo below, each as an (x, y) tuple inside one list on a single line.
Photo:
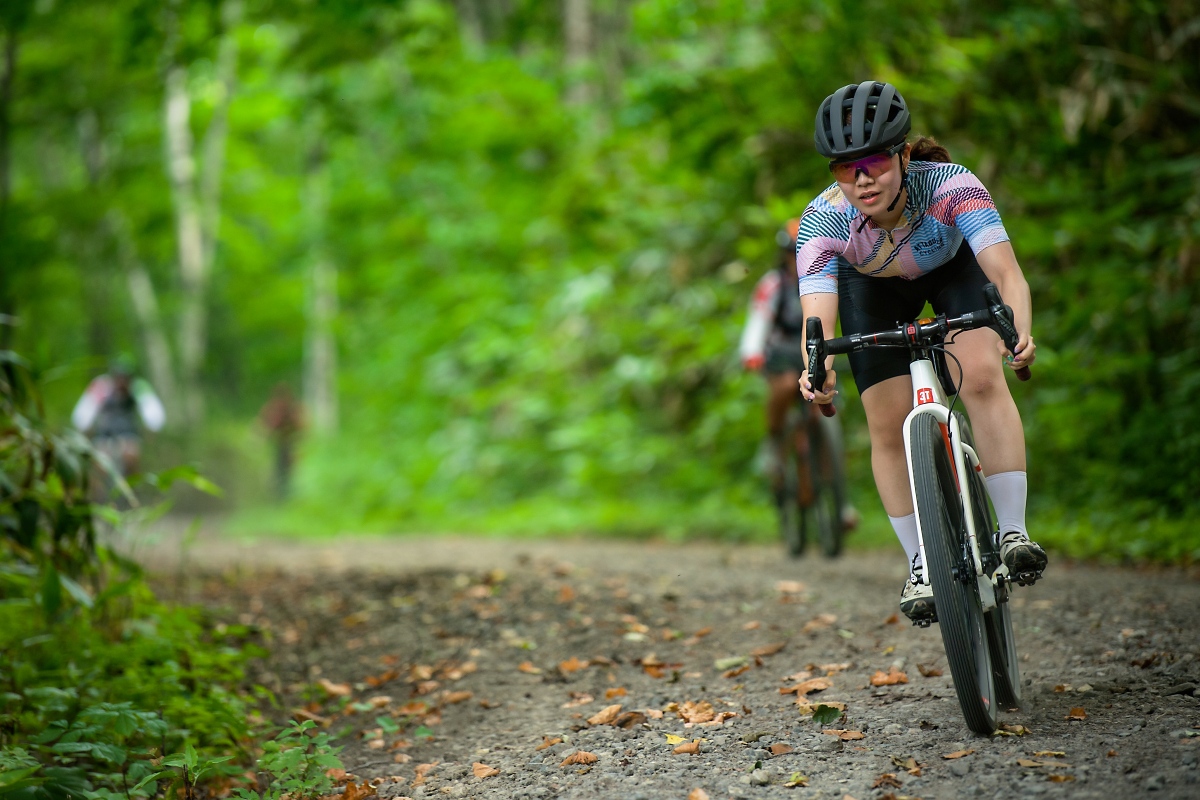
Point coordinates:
[(459, 651)]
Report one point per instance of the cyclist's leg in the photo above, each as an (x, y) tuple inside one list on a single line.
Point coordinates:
[(995, 420)]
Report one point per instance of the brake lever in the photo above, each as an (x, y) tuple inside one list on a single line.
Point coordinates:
[(1004, 324), (815, 339)]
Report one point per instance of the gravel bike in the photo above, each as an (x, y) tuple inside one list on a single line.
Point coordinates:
[(957, 532), (812, 497)]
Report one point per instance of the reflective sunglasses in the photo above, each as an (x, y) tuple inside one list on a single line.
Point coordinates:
[(873, 165)]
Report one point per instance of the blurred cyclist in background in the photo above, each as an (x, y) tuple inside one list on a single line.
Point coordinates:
[(773, 343), (114, 410)]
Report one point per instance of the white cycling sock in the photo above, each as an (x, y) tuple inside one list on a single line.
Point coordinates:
[(906, 532), (1008, 491)]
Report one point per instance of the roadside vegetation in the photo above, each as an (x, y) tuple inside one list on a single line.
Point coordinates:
[(109, 692)]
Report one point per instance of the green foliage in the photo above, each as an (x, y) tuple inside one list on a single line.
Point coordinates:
[(99, 676), (540, 299), (824, 715), (295, 764)]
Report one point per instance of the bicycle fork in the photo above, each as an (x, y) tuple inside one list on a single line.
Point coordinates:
[(928, 398)]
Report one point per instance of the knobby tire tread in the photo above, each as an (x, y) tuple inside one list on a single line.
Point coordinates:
[(938, 508)]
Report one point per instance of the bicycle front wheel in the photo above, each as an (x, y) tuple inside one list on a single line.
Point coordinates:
[(951, 571), (1006, 668)]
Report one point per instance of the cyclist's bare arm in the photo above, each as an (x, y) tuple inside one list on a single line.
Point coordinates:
[(824, 306), (999, 264)]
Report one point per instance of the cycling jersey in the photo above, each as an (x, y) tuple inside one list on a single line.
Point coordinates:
[(103, 410), (946, 203), (775, 315)]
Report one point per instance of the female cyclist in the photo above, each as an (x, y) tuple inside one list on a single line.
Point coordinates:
[(902, 226)]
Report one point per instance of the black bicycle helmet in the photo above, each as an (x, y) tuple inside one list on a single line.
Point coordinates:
[(849, 124)]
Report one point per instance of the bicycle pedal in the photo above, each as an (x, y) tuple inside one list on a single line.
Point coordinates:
[(1028, 578), (925, 622)]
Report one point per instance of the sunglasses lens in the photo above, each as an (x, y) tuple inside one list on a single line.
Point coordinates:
[(874, 166)]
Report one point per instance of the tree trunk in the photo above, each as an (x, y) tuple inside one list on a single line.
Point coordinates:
[(577, 40), (8, 300), (320, 363), (145, 306), (181, 168), (197, 208)]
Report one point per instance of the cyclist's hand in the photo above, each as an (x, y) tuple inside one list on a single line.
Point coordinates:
[(1025, 355), (824, 396), (754, 363)]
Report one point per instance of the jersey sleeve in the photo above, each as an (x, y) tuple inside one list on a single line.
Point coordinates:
[(823, 236), (964, 202), (761, 316)]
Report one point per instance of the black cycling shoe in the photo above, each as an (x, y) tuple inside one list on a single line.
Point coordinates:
[(1025, 559)]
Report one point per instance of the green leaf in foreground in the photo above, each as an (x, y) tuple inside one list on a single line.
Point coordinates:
[(797, 779), (823, 714)]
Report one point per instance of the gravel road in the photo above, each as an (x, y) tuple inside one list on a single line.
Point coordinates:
[(470, 654)]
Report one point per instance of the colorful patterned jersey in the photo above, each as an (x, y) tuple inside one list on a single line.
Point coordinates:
[(946, 203)]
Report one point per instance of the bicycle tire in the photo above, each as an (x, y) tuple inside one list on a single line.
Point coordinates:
[(959, 611), (791, 516), (825, 460), (1006, 667)]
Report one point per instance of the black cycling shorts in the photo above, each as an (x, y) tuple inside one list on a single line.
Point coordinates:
[(868, 305), (785, 354)]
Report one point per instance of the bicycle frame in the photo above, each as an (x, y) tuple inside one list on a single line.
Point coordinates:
[(929, 398)]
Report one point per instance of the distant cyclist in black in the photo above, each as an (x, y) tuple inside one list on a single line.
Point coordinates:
[(773, 343)]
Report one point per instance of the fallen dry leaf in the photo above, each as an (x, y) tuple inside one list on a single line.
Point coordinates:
[(605, 716), (831, 669), (697, 794), (420, 672), (654, 713), (1060, 778), (334, 689), (565, 594), (929, 672), (890, 678), (752, 625), (616, 691), (805, 687), (893, 619), (887, 780), (1111, 753), (1011, 730), (454, 698), (375, 744), (629, 719), (482, 770), (579, 699), (803, 675), (789, 587), (572, 664), (425, 687), (401, 758), (958, 754), (579, 757), (796, 780), (357, 792), (819, 622), (805, 707), (490, 704), (687, 748), (845, 736), (696, 712), (1076, 713), (733, 673), (1056, 753), (779, 749), (548, 742), (528, 668), (700, 634), (768, 649)]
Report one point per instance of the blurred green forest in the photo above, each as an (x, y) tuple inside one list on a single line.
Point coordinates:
[(503, 248)]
